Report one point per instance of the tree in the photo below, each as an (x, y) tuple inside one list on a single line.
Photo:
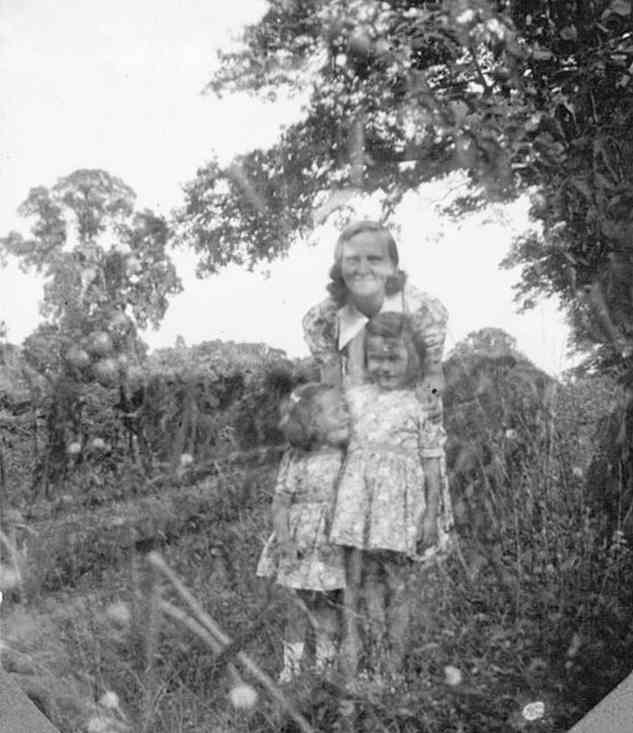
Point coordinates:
[(397, 95), (584, 111), (106, 268), (520, 93), (107, 274)]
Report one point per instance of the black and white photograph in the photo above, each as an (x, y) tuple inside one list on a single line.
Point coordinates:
[(316, 366)]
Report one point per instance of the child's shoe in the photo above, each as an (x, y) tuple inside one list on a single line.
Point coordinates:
[(293, 654)]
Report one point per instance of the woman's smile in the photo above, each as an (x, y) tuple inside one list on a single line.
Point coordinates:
[(366, 265)]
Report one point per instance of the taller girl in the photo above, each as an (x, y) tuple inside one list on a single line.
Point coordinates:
[(365, 280)]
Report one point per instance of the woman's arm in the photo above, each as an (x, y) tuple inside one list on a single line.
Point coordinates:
[(319, 331), (432, 438), (429, 318)]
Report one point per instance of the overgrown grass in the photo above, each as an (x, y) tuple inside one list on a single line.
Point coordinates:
[(534, 606)]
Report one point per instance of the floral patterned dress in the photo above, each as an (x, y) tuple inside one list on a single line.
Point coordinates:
[(335, 337), (308, 479), (381, 494), (334, 334)]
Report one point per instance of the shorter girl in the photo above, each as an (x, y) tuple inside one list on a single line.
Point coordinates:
[(298, 553), (389, 494)]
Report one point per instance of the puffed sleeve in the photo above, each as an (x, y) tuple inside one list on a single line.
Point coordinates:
[(285, 485), (429, 319), (319, 332)]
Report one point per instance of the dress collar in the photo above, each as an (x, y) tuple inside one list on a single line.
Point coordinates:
[(351, 321)]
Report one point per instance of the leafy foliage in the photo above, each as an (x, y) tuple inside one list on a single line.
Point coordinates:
[(107, 274), (213, 397), (408, 90), (520, 94), (544, 617), (499, 409), (583, 113), (395, 97), (610, 473)]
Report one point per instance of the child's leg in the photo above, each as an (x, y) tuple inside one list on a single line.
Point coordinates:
[(351, 640), (397, 576), (294, 639), (326, 616), (374, 593)]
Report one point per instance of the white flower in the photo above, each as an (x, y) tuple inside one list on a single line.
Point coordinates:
[(98, 443), (119, 612), (243, 696), (511, 434), (186, 459), (452, 675), (109, 700), (533, 710), (74, 448), (577, 472), (466, 17)]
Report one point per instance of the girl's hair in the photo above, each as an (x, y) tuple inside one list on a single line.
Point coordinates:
[(298, 414), (394, 284), (397, 327)]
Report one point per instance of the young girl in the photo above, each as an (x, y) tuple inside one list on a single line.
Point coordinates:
[(389, 496), (298, 553)]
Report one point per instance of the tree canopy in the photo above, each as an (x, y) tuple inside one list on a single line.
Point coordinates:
[(106, 268), (520, 93)]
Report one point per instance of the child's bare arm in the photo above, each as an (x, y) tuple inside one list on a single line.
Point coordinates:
[(432, 439), (282, 500), (280, 512), (432, 477)]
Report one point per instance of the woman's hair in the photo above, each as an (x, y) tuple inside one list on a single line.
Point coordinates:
[(337, 288), (397, 327), (299, 412)]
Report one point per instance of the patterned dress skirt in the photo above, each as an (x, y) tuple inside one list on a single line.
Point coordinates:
[(318, 565), (380, 500)]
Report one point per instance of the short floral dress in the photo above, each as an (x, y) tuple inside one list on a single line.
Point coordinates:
[(381, 495), (335, 335), (308, 479)]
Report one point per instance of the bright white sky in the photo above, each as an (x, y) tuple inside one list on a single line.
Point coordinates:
[(116, 85)]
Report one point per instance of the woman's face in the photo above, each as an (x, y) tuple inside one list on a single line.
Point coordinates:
[(387, 362), (366, 265)]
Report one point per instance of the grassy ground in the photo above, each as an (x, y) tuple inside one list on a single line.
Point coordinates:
[(535, 611)]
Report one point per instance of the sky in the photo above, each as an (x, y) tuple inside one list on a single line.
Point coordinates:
[(118, 86)]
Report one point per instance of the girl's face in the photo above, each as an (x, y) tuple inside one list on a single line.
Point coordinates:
[(332, 418), (387, 362), (366, 265)]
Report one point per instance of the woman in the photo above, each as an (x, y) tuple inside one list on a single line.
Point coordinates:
[(365, 280)]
